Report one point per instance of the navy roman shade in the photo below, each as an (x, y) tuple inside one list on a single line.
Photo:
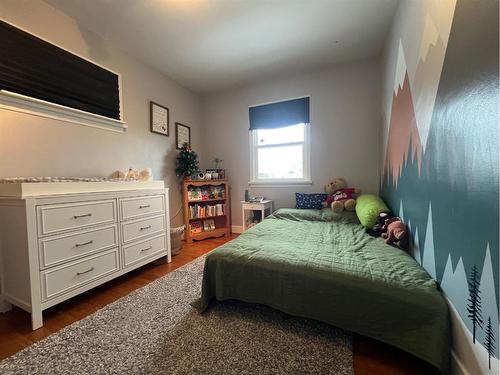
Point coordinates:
[(35, 68), (279, 115)]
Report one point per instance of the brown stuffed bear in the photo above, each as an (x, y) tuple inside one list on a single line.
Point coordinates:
[(397, 233), (339, 196)]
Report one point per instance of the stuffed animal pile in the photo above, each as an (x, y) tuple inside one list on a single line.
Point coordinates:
[(134, 175), (392, 229), (397, 233), (340, 197), (379, 228)]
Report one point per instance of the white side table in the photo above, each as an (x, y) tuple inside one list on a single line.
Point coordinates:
[(265, 207)]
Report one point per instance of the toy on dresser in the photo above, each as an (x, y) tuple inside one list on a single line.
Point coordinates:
[(134, 175), (340, 197)]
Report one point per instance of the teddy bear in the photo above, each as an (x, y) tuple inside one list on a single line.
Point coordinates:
[(397, 233), (340, 197)]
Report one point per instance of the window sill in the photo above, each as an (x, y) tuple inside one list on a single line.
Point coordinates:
[(24, 104), (280, 183)]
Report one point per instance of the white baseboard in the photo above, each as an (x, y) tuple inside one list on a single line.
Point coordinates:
[(456, 366), (236, 228), (4, 305), (467, 358)]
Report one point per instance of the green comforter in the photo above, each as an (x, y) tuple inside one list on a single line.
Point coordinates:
[(322, 265)]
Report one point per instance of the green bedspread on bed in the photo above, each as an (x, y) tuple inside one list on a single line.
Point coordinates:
[(322, 265)]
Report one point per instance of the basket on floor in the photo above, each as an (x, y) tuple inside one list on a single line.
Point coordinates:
[(176, 235)]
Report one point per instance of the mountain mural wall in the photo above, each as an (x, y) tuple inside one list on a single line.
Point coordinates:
[(441, 162)]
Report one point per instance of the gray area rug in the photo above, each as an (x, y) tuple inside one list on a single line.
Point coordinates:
[(154, 330)]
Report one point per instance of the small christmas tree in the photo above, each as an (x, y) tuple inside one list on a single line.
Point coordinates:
[(474, 305), (187, 162), (489, 342)]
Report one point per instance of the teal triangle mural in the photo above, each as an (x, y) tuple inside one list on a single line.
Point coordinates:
[(449, 189), (428, 260)]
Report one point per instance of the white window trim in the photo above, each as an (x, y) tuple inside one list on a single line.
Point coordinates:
[(36, 107), (25, 104), (275, 182)]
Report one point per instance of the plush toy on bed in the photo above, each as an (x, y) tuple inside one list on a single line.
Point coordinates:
[(379, 228), (340, 197), (397, 233)]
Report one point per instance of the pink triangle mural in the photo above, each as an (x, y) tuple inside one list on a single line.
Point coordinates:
[(403, 132)]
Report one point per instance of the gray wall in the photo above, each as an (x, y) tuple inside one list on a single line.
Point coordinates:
[(37, 146), (345, 122)]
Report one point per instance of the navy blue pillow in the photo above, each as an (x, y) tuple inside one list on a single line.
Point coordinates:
[(310, 201)]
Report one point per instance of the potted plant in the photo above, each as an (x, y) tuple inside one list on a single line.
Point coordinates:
[(219, 173), (187, 162), (217, 161)]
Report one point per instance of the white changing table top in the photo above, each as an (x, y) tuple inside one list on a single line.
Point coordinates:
[(20, 190)]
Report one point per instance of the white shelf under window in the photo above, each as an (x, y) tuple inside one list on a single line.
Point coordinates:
[(280, 183), (36, 107)]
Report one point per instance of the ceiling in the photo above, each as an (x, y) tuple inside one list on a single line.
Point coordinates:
[(214, 45)]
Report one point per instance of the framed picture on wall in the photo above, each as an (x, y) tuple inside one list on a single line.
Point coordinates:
[(159, 118), (182, 135)]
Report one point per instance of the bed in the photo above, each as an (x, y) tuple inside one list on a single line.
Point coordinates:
[(321, 265)]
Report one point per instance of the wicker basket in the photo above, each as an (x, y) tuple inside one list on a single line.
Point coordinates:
[(176, 235)]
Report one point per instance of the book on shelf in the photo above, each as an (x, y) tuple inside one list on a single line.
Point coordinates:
[(204, 210), (194, 194), (203, 193), (208, 225), (195, 227)]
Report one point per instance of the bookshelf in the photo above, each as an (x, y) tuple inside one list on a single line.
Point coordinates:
[(206, 207)]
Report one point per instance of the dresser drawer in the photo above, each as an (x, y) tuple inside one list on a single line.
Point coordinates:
[(64, 248), (253, 206), (62, 279), (69, 216), (139, 251), (133, 230), (132, 208)]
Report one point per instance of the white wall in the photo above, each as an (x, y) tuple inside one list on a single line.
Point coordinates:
[(345, 122), (36, 146)]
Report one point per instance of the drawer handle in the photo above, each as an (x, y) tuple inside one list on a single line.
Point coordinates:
[(80, 216), (147, 248), (84, 272), (85, 243), (145, 206), (144, 228)]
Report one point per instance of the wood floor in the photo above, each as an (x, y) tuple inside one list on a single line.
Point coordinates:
[(370, 357)]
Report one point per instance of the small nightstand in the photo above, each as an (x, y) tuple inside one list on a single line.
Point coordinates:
[(255, 211)]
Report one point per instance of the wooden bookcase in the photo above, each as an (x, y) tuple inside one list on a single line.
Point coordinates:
[(222, 221)]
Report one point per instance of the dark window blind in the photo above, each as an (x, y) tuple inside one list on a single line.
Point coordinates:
[(279, 115), (38, 69)]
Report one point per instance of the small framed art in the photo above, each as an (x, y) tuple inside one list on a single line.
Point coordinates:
[(182, 135), (159, 118), (208, 225)]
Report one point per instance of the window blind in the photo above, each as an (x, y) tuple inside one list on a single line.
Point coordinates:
[(279, 115), (33, 67)]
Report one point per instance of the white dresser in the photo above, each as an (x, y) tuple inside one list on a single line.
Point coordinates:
[(60, 239)]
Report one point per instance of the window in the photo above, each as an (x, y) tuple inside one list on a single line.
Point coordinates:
[(280, 142), (39, 77), (280, 155)]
